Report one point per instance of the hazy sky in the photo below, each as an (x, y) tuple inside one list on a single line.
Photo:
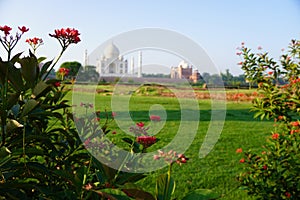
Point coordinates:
[(217, 26)]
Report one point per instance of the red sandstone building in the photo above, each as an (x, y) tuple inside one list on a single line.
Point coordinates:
[(185, 71)]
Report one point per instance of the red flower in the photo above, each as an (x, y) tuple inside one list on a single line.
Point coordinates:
[(64, 71), (242, 160), (275, 136), (23, 29), (57, 84), (66, 36), (295, 123), (240, 63), (238, 53), (259, 48), (34, 41), (270, 73), (265, 167), (288, 195), (181, 159), (239, 150), (114, 132), (140, 124), (5, 29), (146, 141)]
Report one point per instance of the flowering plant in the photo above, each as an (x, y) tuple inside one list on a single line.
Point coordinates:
[(274, 173), (38, 142)]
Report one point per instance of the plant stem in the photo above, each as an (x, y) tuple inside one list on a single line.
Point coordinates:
[(85, 175), (57, 59)]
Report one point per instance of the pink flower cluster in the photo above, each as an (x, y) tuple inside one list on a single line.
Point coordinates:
[(155, 118), (171, 157)]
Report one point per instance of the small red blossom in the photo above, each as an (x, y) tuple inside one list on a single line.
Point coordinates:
[(294, 131), (270, 73), (64, 71), (113, 114), (288, 195), (114, 132), (240, 63), (242, 43), (146, 141), (88, 186), (259, 48), (56, 84), (239, 150), (238, 53), (280, 117), (242, 160), (34, 41), (140, 124), (6, 29), (275, 136), (23, 29), (265, 167), (156, 157), (296, 123)]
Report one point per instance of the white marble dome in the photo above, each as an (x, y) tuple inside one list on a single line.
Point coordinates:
[(111, 51), (183, 64)]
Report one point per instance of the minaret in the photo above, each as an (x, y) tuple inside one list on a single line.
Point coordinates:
[(140, 65), (132, 65), (86, 58)]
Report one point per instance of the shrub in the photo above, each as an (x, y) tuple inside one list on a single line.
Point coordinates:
[(274, 173)]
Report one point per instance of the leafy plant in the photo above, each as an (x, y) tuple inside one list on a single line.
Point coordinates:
[(274, 173)]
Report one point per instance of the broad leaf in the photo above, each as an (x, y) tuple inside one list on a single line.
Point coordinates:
[(29, 69), (29, 106), (40, 89), (165, 187)]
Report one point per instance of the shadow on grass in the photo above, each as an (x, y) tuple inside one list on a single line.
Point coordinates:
[(205, 115)]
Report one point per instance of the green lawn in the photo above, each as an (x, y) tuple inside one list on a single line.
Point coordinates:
[(218, 170)]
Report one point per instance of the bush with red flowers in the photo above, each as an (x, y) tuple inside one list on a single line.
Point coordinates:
[(274, 172)]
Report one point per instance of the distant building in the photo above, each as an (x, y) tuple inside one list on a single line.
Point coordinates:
[(113, 64), (185, 71)]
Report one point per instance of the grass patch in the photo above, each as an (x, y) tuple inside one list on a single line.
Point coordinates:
[(218, 170)]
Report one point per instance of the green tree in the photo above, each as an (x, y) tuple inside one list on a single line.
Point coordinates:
[(73, 66)]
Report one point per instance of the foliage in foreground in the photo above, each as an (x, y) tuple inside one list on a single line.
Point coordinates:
[(275, 172)]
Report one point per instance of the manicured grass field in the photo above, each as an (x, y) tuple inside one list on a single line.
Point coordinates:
[(218, 170)]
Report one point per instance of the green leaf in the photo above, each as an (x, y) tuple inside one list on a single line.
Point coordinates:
[(113, 194), (136, 192), (29, 69), (40, 89), (41, 59), (165, 187), (29, 106), (45, 68), (201, 194), (15, 77)]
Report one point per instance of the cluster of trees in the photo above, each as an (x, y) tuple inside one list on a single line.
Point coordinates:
[(85, 73), (89, 73), (226, 78)]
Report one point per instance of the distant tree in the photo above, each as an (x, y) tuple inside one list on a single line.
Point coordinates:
[(88, 73), (73, 67)]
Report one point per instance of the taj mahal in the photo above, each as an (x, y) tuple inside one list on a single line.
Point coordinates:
[(112, 64)]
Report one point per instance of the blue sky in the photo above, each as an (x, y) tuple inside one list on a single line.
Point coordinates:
[(217, 26)]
